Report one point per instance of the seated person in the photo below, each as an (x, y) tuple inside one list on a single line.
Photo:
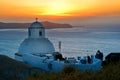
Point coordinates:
[(99, 55), (58, 56)]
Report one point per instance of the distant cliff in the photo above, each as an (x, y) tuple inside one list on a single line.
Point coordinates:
[(46, 24)]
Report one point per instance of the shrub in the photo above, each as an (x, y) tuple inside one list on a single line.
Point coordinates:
[(68, 69)]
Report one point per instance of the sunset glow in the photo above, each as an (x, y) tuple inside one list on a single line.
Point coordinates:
[(57, 9)]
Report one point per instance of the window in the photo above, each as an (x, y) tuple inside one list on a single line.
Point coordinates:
[(40, 33)]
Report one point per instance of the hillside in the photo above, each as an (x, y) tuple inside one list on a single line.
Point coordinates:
[(109, 72), (11, 69), (46, 24)]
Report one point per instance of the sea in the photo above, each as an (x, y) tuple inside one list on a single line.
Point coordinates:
[(77, 41)]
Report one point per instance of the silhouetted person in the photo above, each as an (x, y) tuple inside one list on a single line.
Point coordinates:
[(58, 56), (99, 55), (88, 59)]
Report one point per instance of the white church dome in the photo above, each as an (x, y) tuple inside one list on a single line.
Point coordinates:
[(36, 46), (36, 43)]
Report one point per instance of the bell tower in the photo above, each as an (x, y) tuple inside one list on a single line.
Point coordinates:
[(36, 30)]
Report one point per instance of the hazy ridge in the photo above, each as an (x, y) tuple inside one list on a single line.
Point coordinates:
[(46, 24)]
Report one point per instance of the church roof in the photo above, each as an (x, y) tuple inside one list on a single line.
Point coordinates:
[(36, 24), (39, 45), (36, 42)]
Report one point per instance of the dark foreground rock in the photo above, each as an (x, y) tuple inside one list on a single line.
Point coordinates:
[(11, 69)]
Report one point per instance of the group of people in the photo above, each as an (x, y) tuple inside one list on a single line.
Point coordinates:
[(99, 55)]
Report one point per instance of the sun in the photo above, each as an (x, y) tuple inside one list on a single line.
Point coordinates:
[(57, 8)]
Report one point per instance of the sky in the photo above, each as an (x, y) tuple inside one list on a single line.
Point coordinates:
[(75, 12)]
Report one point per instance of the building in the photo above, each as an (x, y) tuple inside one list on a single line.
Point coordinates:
[(39, 52), (112, 57), (36, 43)]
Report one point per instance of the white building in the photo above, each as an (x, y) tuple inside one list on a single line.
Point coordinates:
[(34, 51), (36, 43)]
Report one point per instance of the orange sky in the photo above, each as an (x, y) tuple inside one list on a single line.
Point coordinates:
[(57, 10)]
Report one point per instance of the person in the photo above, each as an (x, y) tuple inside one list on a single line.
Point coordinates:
[(99, 55), (88, 59), (58, 55)]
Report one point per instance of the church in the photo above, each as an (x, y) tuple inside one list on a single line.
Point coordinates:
[(39, 52), (36, 43)]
